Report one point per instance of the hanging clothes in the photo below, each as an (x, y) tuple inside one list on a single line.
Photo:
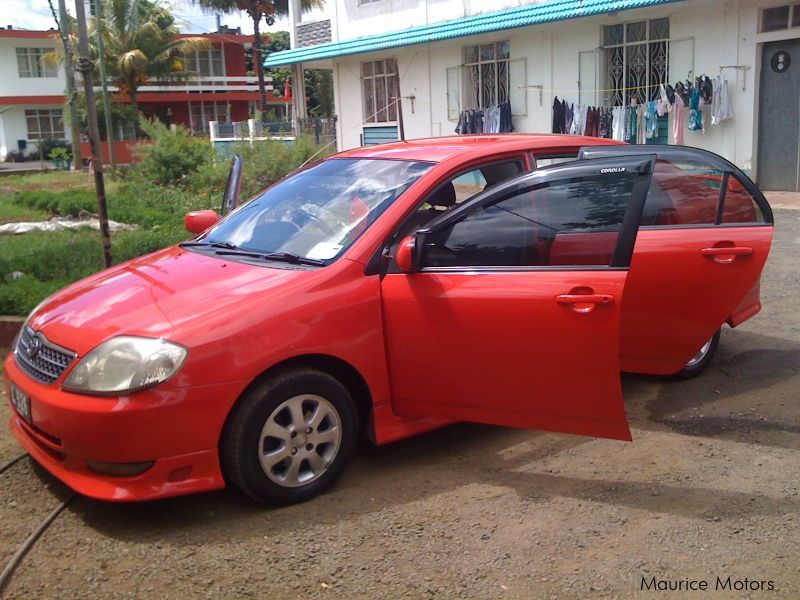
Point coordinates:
[(651, 120), (677, 120), (695, 114), (633, 122), (618, 124), (606, 128), (721, 109), (506, 121), (569, 115), (663, 105), (558, 116)]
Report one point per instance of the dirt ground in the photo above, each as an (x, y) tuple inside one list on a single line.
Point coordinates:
[(709, 488)]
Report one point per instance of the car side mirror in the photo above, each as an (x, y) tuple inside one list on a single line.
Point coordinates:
[(406, 254), (198, 221)]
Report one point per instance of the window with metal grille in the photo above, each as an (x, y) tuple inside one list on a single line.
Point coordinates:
[(31, 63), (45, 123), (380, 89), (486, 75), (636, 60)]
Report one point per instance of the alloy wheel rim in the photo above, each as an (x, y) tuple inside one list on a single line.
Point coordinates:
[(299, 440), (701, 354)]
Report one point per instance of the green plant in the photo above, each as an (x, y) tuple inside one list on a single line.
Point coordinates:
[(173, 154), (59, 154)]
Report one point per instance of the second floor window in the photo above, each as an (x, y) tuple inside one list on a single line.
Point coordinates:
[(380, 89), (31, 63), (636, 59), (206, 63), (486, 74)]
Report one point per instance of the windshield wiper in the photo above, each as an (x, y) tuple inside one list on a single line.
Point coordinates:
[(294, 258), (228, 249), (226, 245)]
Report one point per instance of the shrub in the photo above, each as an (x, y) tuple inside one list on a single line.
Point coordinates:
[(173, 155), (69, 203)]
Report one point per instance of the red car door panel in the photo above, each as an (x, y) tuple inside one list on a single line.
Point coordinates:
[(680, 290), (705, 235), (502, 335), (500, 348)]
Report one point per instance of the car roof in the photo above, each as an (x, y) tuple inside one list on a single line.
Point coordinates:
[(473, 146)]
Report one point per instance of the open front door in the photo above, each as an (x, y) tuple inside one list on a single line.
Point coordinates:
[(513, 315)]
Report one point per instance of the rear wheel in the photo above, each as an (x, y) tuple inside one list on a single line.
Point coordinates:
[(289, 437), (701, 360)]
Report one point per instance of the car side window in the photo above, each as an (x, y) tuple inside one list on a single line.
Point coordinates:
[(573, 222), (738, 206), (459, 189), (689, 194), (548, 160)]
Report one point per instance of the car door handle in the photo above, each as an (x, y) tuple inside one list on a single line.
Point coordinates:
[(726, 254), (584, 303)]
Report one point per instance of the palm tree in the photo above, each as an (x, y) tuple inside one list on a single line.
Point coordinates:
[(142, 43), (258, 10)]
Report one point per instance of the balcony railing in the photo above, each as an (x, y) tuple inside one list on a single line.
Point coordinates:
[(204, 84)]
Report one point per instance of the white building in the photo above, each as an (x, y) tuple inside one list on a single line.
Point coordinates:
[(31, 91), (445, 56)]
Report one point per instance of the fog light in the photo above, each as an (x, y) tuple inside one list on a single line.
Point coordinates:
[(119, 469)]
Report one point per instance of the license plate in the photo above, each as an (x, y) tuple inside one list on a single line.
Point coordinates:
[(21, 402)]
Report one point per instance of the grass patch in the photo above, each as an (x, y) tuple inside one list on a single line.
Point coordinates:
[(11, 212)]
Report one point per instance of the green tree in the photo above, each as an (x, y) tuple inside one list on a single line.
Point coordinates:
[(142, 43), (258, 10)]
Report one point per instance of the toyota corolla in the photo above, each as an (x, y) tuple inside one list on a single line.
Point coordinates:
[(383, 292)]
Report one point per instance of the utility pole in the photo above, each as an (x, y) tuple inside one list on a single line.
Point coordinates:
[(69, 66), (99, 26), (298, 75), (86, 66)]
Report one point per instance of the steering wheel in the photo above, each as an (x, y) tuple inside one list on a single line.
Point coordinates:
[(327, 229)]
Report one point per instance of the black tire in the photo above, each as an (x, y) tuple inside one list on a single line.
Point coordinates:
[(239, 446), (694, 369)]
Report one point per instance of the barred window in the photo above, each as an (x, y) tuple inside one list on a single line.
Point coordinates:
[(380, 88), (637, 60), (31, 63), (45, 123), (486, 74)]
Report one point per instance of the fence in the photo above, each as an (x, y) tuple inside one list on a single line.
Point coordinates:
[(223, 135)]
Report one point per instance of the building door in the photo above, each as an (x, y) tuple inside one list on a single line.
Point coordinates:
[(779, 117)]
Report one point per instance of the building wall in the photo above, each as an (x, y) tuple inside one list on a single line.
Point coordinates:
[(11, 84), (13, 127), (724, 33), (353, 19)]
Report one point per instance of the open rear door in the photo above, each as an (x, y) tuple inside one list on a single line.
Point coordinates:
[(512, 317), (703, 240)]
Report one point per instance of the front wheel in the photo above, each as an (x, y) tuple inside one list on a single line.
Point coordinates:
[(289, 437), (701, 360)]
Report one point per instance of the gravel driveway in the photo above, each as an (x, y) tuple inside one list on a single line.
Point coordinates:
[(710, 488)]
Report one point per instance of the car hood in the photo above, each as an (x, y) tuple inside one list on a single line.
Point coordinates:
[(143, 297)]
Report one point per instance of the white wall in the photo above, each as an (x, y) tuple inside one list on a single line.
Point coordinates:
[(724, 32), (349, 19), (11, 84), (13, 127)]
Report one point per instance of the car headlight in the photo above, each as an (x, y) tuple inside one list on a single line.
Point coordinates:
[(125, 364)]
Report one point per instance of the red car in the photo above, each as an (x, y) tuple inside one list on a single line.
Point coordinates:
[(387, 291)]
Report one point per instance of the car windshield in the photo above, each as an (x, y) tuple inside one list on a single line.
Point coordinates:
[(318, 213)]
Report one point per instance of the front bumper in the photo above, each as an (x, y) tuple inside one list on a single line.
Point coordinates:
[(176, 428)]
